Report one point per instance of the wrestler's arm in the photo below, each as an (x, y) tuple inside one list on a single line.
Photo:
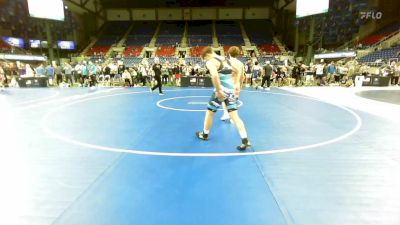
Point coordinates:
[(242, 77), (238, 77), (212, 67)]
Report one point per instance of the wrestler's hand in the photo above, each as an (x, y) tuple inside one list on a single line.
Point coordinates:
[(237, 92), (220, 95)]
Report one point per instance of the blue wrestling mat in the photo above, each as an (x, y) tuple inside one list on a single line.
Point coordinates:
[(128, 156)]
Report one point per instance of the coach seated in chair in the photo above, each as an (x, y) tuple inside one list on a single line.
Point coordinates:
[(127, 78)]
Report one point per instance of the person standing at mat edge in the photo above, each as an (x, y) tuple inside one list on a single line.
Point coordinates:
[(157, 75), (267, 72), (226, 77)]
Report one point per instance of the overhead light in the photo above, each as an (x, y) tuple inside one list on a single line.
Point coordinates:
[(66, 7)]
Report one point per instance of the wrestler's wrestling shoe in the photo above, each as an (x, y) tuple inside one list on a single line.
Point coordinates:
[(202, 136), (245, 144)]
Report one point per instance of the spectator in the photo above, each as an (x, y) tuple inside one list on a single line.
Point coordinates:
[(256, 73), (40, 70), (320, 73), (296, 73), (85, 72), (78, 73), (58, 72), (29, 71), (267, 73), (3, 77), (144, 74), (68, 73), (50, 73), (127, 78), (396, 74), (332, 75)]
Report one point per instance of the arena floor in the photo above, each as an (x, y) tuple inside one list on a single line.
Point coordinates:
[(320, 156)]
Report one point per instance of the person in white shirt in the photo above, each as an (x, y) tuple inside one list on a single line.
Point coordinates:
[(78, 73), (127, 78), (28, 71), (113, 71), (396, 74), (187, 70), (143, 71), (3, 78), (256, 73), (320, 73)]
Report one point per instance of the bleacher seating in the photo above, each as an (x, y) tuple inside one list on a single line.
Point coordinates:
[(131, 61), (169, 40), (226, 48), (165, 50), (384, 54), (111, 35), (381, 34), (165, 59), (259, 31), (194, 61), (229, 33), (98, 50), (138, 40), (133, 51), (4, 46), (196, 51), (140, 36), (170, 33), (268, 48), (200, 33), (105, 41)]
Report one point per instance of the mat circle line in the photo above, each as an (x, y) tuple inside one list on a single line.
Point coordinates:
[(52, 134), (240, 104)]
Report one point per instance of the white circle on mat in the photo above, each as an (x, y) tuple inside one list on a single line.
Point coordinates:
[(159, 104), (51, 133)]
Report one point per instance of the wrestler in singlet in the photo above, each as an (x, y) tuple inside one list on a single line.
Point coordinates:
[(227, 83)]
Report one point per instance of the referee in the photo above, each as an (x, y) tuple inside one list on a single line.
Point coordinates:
[(157, 75)]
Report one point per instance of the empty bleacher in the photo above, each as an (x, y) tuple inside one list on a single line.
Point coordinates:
[(229, 33), (170, 33), (140, 36), (384, 54), (200, 33), (260, 33), (268, 48), (4, 47), (112, 34), (165, 51), (381, 34), (169, 36), (131, 61), (196, 51), (133, 51)]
